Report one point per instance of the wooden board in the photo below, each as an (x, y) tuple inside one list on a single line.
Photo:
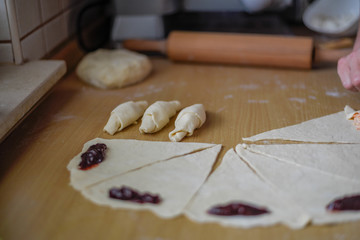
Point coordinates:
[(22, 86), (37, 202)]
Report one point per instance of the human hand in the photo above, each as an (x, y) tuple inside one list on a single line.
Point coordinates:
[(348, 69)]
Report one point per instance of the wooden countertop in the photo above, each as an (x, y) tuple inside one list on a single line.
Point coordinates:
[(37, 202)]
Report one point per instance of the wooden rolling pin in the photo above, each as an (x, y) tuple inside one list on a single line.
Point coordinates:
[(243, 49)]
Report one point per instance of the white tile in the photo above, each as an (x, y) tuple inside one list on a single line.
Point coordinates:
[(14, 31), (28, 15), (55, 33), (33, 46), (4, 23), (6, 53), (49, 8)]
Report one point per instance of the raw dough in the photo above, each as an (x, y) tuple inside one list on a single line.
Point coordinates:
[(175, 180), (333, 128), (125, 155), (310, 189), (351, 114), (234, 181), (113, 68), (158, 115), (187, 121), (123, 115), (341, 160)]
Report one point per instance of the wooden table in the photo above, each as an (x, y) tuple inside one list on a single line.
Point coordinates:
[(37, 202)]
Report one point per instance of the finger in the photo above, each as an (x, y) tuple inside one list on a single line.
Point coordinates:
[(343, 70), (354, 65)]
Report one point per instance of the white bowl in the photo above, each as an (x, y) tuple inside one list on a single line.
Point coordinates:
[(333, 17)]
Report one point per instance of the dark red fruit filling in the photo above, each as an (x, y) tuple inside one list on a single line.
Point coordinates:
[(128, 194), (93, 156), (233, 209), (345, 203)]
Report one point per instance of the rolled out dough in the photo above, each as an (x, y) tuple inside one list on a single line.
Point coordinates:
[(308, 188), (124, 155), (113, 68), (175, 180), (333, 128), (234, 181), (342, 160)]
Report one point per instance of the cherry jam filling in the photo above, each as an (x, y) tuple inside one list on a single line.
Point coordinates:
[(93, 156), (128, 194), (345, 203), (237, 208)]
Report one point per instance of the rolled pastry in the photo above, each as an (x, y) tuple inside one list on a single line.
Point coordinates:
[(187, 121), (123, 115), (351, 114), (158, 115)]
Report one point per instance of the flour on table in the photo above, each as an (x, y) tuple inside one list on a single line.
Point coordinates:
[(299, 100), (229, 96), (258, 101)]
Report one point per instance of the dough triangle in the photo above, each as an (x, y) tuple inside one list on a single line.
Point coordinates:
[(333, 128), (234, 181), (175, 181), (341, 160), (124, 155), (308, 188)]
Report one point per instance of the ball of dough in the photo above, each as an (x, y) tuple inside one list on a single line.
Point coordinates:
[(106, 69)]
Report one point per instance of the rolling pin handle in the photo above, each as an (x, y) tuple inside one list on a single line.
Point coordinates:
[(330, 55)]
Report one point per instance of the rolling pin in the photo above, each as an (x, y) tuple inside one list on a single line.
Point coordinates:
[(241, 49)]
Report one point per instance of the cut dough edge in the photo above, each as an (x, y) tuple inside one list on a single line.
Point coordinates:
[(72, 165), (153, 163), (317, 132), (239, 165), (204, 161), (316, 218), (254, 148)]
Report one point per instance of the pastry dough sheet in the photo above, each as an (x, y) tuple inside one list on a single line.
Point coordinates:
[(176, 181), (333, 128), (124, 155), (308, 188), (234, 181), (342, 160)]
